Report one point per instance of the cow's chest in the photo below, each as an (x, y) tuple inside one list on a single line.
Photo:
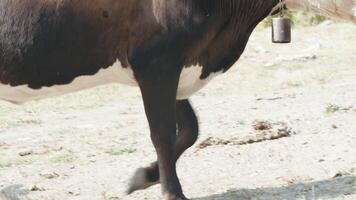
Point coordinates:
[(189, 83)]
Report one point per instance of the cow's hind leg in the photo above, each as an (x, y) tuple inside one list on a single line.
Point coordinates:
[(188, 130)]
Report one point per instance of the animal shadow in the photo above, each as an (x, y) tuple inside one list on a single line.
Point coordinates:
[(13, 192), (325, 189)]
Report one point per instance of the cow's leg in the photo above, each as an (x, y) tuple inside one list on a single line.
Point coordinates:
[(188, 130), (159, 96)]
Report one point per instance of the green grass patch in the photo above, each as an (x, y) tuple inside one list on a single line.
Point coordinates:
[(5, 163), (65, 157), (332, 108), (118, 151), (51, 157)]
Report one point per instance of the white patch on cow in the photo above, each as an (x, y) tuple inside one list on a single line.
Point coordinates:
[(115, 73), (190, 81), (342, 9)]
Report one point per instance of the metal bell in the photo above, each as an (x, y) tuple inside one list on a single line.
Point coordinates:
[(281, 30)]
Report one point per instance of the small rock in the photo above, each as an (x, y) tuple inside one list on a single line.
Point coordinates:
[(59, 148), (49, 175), (73, 193), (262, 125), (35, 188), (26, 153), (91, 155), (341, 174), (334, 126)]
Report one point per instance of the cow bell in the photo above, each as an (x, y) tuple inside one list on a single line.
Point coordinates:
[(281, 30)]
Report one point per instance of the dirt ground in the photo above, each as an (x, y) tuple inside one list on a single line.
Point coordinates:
[(280, 125)]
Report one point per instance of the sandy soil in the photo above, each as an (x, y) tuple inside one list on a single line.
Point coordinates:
[(281, 125)]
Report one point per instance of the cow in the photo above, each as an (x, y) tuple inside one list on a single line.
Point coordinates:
[(168, 48)]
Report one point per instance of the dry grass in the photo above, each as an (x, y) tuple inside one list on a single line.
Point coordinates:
[(298, 19)]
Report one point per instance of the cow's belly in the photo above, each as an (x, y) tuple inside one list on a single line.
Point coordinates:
[(112, 74), (189, 83)]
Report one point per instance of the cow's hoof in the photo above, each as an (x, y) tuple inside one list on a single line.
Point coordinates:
[(139, 181), (174, 197)]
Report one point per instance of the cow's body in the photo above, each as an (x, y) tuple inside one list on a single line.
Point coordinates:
[(52, 43), (169, 48)]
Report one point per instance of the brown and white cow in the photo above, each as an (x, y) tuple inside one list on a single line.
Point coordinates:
[(169, 48)]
